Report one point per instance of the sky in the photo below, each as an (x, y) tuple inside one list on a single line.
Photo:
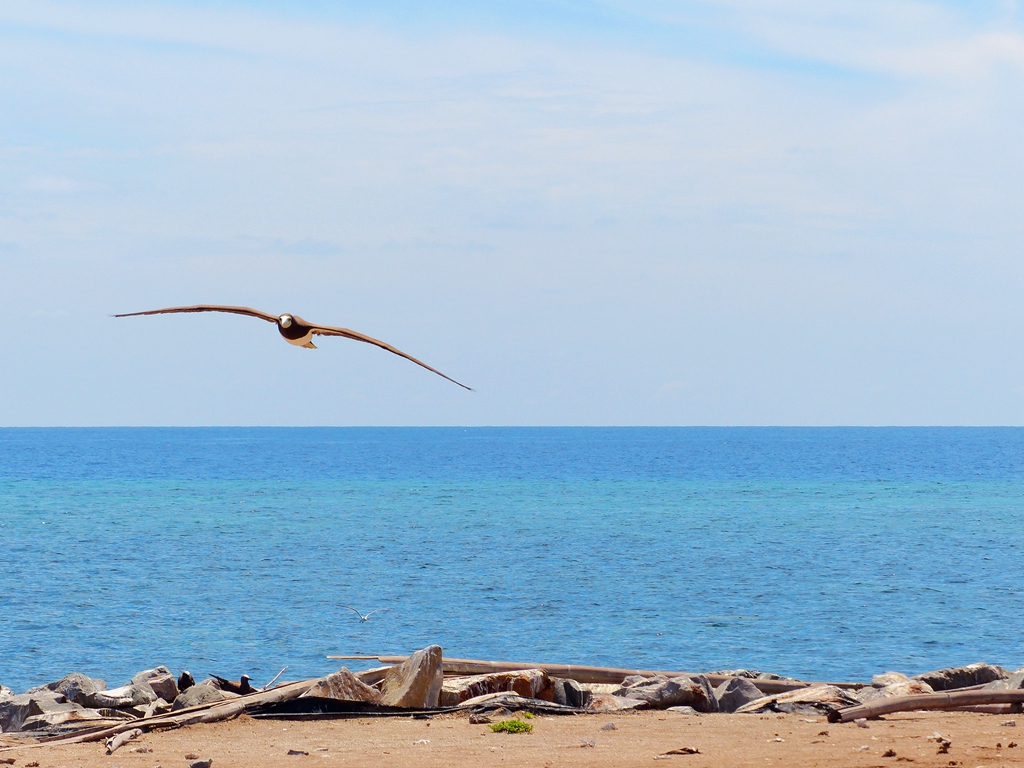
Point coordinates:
[(652, 212)]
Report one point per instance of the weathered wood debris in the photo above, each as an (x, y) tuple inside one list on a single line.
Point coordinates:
[(79, 708)]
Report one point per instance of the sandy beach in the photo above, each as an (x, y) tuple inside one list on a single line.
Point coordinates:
[(638, 739)]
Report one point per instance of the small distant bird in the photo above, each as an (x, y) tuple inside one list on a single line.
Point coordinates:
[(185, 680), (234, 686), (366, 617), (294, 329)]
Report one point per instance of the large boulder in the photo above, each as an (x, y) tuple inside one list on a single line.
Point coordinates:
[(1012, 683), (130, 695), (814, 700), (569, 693), (963, 677), (200, 693), (607, 702), (888, 678), (734, 693), (160, 681), (894, 690), (63, 720), (661, 692), (416, 682), (531, 683), (343, 686), (16, 709), (74, 687)]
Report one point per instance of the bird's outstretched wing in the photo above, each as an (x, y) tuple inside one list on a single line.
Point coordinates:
[(357, 613), (379, 610), (208, 308), (327, 330)]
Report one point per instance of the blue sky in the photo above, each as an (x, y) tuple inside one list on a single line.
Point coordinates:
[(659, 212)]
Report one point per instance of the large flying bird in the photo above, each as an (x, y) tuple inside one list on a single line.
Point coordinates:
[(295, 330)]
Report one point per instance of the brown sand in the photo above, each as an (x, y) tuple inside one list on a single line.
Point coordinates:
[(637, 740)]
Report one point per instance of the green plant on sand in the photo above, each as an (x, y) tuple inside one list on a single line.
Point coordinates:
[(511, 726)]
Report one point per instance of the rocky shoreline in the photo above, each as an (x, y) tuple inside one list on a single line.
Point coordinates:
[(80, 707)]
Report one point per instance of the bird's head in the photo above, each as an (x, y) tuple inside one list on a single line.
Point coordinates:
[(285, 321), (245, 679)]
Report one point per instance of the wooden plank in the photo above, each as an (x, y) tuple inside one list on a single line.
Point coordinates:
[(929, 701)]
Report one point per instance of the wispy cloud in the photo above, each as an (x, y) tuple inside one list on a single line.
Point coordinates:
[(753, 198)]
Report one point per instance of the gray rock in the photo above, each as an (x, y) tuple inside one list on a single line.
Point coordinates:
[(18, 708), (905, 687), (1012, 683), (416, 682), (201, 693), (569, 693), (529, 683), (130, 695), (606, 702), (160, 681), (74, 687), (5, 693), (815, 700), (661, 692), (163, 687), (888, 678), (963, 677), (733, 694), (343, 686), (64, 720), (682, 710), (148, 674), (201, 763)]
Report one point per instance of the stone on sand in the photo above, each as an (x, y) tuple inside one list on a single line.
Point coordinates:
[(569, 693), (608, 702), (734, 693), (905, 687), (661, 692), (160, 681), (416, 682), (1012, 683), (201, 693), (530, 683), (963, 677), (343, 686), (74, 687), (16, 709)]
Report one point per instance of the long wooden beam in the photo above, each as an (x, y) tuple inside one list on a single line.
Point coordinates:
[(942, 700)]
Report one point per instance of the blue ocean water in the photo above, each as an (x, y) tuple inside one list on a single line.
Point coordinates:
[(818, 553)]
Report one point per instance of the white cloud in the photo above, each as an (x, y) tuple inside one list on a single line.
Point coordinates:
[(57, 185)]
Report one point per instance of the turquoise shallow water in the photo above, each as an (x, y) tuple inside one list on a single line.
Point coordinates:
[(820, 553)]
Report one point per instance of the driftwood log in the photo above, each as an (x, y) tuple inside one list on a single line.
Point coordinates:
[(583, 674), (203, 713), (116, 742), (943, 700)]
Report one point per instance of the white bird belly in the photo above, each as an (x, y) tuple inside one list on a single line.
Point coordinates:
[(302, 340)]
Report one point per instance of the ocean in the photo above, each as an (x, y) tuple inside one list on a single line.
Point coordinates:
[(817, 553)]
